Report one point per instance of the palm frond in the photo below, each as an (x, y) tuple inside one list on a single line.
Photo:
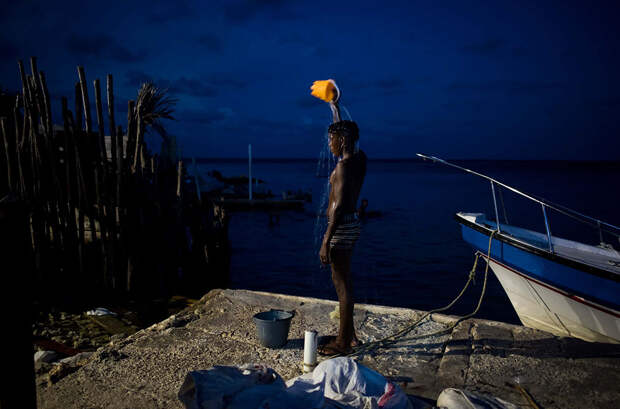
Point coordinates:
[(153, 105)]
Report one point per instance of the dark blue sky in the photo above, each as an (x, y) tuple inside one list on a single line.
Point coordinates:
[(463, 79)]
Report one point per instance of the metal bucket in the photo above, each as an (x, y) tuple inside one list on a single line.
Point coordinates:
[(272, 327)]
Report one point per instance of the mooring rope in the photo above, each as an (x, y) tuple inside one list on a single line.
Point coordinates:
[(392, 339)]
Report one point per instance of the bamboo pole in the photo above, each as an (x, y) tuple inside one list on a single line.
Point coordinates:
[(18, 152), (131, 126), (81, 200), (25, 88), (85, 100), (33, 66), (27, 129), (7, 151), (112, 124), (33, 80), (101, 140), (138, 155), (49, 142), (179, 178), (79, 126), (100, 177), (72, 248), (113, 186), (54, 192), (47, 107), (67, 155), (100, 183), (119, 166)]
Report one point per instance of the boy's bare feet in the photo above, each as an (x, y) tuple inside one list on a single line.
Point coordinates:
[(333, 347)]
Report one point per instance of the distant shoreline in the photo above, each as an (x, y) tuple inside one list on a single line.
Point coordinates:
[(411, 160)]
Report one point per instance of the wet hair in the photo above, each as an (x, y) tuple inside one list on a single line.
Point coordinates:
[(347, 132), (347, 129)]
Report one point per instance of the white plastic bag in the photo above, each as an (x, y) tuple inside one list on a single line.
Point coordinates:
[(451, 398)]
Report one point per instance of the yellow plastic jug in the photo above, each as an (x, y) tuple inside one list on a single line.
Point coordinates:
[(326, 90)]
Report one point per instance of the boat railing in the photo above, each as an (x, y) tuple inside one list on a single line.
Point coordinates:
[(544, 204)]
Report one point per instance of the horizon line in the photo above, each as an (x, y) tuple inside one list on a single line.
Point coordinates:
[(396, 159)]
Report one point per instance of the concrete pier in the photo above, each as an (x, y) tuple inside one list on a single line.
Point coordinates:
[(146, 369)]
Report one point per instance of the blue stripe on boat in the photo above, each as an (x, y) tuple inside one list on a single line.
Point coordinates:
[(598, 289)]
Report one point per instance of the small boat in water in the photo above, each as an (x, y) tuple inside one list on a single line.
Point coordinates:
[(562, 286)]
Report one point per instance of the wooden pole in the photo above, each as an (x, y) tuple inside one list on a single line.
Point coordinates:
[(138, 148), (78, 110), (66, 154), (112, 124), (85, 100), (72, 245), (7, 151), (119, 166), (49, 142), (179, 178), (112, 196), (99, 109), (81, 193), (100, 184), (33, 79), (18, 151), (47, 107), (25, 87), (54, 192), (131, 126)]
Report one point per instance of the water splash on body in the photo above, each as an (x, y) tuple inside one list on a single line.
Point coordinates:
[(325, 166)]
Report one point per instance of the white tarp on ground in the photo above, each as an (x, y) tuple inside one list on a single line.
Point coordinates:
[(339, 383), (335, 383)]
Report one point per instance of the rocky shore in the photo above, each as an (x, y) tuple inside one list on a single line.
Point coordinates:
[(63, 341)]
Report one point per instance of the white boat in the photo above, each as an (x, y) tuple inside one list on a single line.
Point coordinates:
[(557, 285)]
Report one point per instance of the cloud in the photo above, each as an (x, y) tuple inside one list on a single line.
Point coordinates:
[(169, 11), (487, 47), (245, 10), (211, 42), (225, 80), (204, 117), (507, 86), (102, 46), (196, 87), (135, 78), (190, 86), (12, 10)]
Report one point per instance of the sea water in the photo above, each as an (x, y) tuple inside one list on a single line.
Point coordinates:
[(412, 255)]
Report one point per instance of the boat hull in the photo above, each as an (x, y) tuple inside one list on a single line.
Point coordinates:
[(543, 306), (547, 292)]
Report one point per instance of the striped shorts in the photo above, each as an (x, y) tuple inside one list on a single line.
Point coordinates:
[(347, 233)]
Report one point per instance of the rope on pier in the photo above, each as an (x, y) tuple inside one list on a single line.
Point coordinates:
[(392, 339)]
